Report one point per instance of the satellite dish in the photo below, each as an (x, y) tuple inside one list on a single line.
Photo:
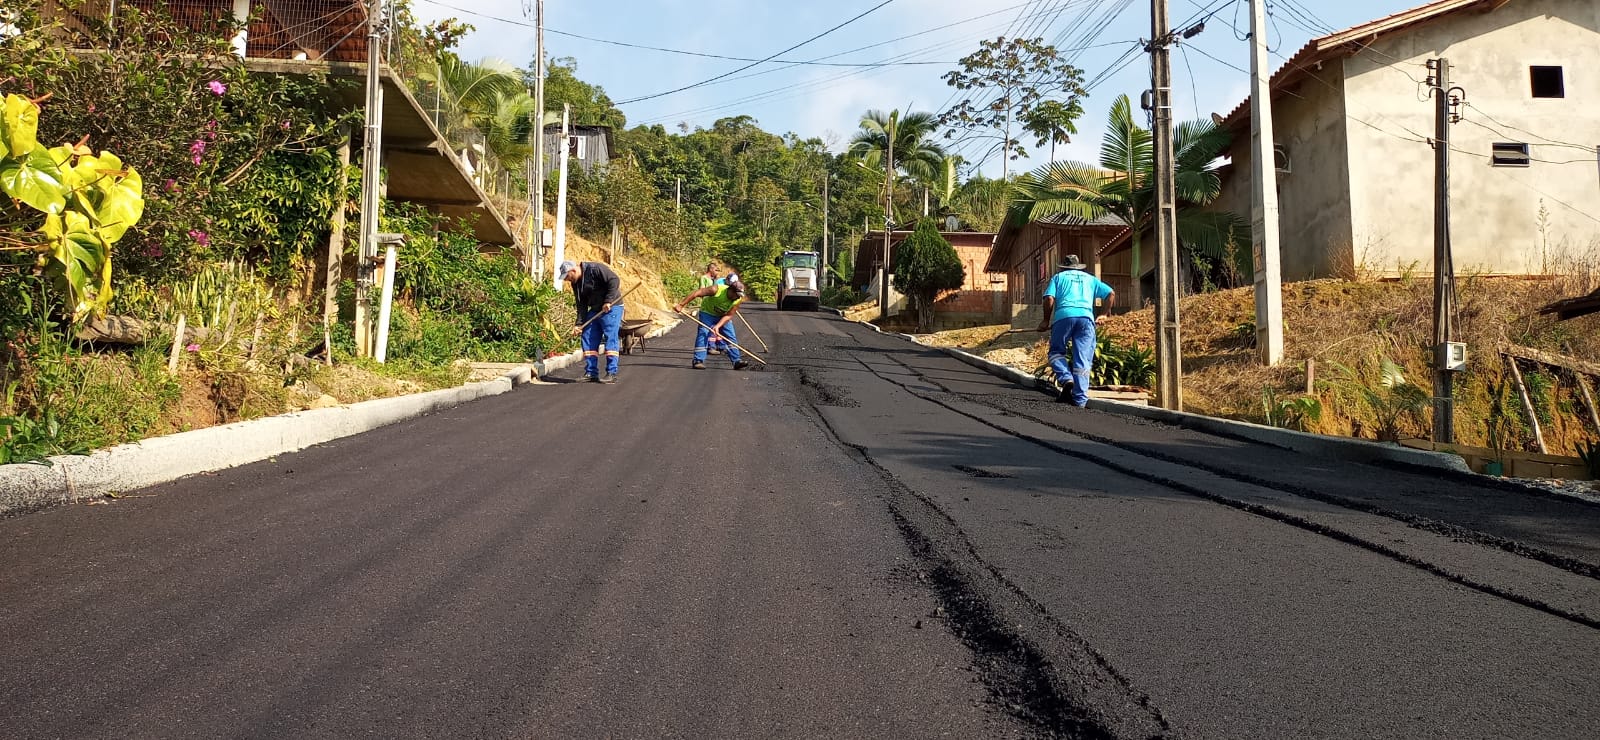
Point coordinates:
[(951, 223)]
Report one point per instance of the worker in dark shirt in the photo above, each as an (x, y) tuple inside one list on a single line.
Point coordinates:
[(598, 292)]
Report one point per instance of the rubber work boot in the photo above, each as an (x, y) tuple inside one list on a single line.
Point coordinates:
[(698, 365), (591, 378), (1063, 392), (740, 365), (609, 379)]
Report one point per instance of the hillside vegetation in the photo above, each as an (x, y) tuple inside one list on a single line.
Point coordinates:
[(1349, 328)]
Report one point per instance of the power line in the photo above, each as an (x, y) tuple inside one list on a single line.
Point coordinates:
[(1542, 139), (791, 90), (706, 55), (707, 81)]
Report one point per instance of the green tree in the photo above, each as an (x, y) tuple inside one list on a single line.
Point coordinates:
[(1052, 122), (1123, 185), (925, 265), (591, 106), (1010, 79)]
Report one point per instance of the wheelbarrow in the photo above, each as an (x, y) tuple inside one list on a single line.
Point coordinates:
[(632, 334)]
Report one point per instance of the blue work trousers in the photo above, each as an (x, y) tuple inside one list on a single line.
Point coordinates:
[(1073, 362), (702, 338), (599, 338)]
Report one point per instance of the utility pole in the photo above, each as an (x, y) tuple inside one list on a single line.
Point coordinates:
[(888, 218), (371, 151), (561, 199), (536, 208), (1445, 360), (1169, 352), (677, 196), (1264, 233)]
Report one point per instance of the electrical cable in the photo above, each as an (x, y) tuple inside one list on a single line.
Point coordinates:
[(707, 81)]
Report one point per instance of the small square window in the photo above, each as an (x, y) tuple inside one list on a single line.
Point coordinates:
[(1548, 82), (1509, 154)]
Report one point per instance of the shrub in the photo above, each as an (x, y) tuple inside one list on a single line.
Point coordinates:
[(925, 265)]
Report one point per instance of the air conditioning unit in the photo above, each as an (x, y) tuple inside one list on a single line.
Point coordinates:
[(1280, 159)]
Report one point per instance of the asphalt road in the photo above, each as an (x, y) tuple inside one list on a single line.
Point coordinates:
[(865, 539)]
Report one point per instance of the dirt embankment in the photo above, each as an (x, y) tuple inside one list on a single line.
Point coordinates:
[(1357, 324)]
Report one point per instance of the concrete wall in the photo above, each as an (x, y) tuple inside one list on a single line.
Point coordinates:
[(1313, 197), (1496, 223)]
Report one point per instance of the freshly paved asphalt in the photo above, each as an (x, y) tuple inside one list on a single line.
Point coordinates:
[(866, 539)]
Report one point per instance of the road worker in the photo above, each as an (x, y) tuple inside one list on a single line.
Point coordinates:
[(1069, 317), (598, 296), (709, 279), (718, 304)]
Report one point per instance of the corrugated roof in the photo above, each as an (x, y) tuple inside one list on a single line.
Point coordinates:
[(1356, 39)]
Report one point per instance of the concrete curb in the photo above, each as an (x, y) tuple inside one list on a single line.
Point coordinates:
[(1342, 448), (27, 487)]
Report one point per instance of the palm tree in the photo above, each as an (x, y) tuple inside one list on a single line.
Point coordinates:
[(467, 92), (913, 152), (1123, 185)]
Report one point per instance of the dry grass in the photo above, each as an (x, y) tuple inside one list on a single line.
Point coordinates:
[(1354, 324)]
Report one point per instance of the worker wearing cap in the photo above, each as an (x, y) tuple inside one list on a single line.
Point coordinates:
[(718, 304), (1069, 317), (598, 293)]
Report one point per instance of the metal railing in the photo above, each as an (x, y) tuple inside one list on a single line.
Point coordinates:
[(470, 146)]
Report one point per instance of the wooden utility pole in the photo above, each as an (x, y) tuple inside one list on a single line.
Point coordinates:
[(888, 216), (561, 198), (335, 269), (1444, 289), (536, 208), (1169, 358), (371, 152), (1264, 195)]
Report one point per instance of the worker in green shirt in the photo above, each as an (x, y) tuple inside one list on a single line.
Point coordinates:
[(718, 304)]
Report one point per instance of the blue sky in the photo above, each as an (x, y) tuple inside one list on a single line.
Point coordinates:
[(826, 102)]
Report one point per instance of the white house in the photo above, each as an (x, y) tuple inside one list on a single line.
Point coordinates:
[(1353, 122)]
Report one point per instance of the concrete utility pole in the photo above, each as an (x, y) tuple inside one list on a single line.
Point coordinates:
[(1264, 195), (825, 266), (536, 207), (1444, 287), (371, 152), (1169, 352), (888, 218), (561, 199)]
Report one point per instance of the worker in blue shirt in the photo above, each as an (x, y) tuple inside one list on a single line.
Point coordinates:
[(1069, 316)]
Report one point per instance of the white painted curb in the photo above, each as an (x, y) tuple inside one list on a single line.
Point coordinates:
[(1342, 448), (160, 459)]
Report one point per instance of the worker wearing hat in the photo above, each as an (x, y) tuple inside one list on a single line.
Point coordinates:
[(1069, 316), (597, 292), (718, 304)]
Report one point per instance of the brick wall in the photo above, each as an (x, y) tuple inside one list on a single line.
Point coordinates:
[(981, 298)]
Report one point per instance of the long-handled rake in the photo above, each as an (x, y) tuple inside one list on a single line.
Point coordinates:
[(714, 333)]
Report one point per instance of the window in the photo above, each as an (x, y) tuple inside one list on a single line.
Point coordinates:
[(1280, 159), (1547, 82), (1508, 154)]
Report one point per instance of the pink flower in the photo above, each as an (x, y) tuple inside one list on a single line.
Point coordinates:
[(285, 126), (211, 130), (217, 88), (170, 185), (153, 251), (198, 150), (193, 348), (200, 237)]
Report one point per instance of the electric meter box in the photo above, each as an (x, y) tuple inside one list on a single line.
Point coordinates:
[(1451, 356)]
